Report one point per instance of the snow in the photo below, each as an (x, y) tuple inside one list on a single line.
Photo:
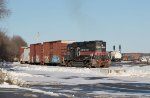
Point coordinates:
[(58, 75), (134, 71), (55, 75), (121, 94), (6, 85), (112, 71)]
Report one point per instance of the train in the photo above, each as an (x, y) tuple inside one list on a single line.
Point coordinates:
[(67, 53)]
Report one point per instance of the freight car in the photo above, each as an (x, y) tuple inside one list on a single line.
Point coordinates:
[(24, 55), (87, 54), (36, 51), (53, 52)]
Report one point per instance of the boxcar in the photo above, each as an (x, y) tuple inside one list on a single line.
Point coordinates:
[(53, 52)]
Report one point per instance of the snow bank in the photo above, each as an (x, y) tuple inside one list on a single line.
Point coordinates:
[(93, 71), (11, 78), (134, 71), (112, 71), (6, 85), (45, 75), (126, 70), (70, 75)]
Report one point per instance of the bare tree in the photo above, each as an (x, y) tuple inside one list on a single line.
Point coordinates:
[(3, 10), (9, 47), (4, 44), (3, 37), (17, 42)]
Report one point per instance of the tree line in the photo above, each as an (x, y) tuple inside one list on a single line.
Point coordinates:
[(9, 46)]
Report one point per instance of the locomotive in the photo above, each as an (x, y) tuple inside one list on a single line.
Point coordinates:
[(69, 53), (87, 54)]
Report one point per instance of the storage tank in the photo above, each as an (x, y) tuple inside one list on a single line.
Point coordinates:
[(116, 56)]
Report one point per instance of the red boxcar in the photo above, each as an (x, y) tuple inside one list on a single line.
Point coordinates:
[(53, 52), (32, 53), (39, 53), (36, 53)]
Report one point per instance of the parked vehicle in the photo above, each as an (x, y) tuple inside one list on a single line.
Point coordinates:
[(24, 55), (87, 54)]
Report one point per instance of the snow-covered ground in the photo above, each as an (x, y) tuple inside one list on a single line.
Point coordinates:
[(120, 80)]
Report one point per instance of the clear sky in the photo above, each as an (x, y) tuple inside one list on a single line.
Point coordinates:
[(125, 22)]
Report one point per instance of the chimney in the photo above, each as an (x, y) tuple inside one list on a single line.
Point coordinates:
[(120, 48), (114, 48)]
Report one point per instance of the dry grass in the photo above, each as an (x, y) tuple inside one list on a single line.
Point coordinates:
[(2, 77)]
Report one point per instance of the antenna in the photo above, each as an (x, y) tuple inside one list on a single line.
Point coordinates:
[(37, 36)]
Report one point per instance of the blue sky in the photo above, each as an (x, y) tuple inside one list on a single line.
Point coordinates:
[(124, 22)]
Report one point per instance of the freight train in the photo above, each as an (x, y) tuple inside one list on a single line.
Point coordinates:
[(68, 53)]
